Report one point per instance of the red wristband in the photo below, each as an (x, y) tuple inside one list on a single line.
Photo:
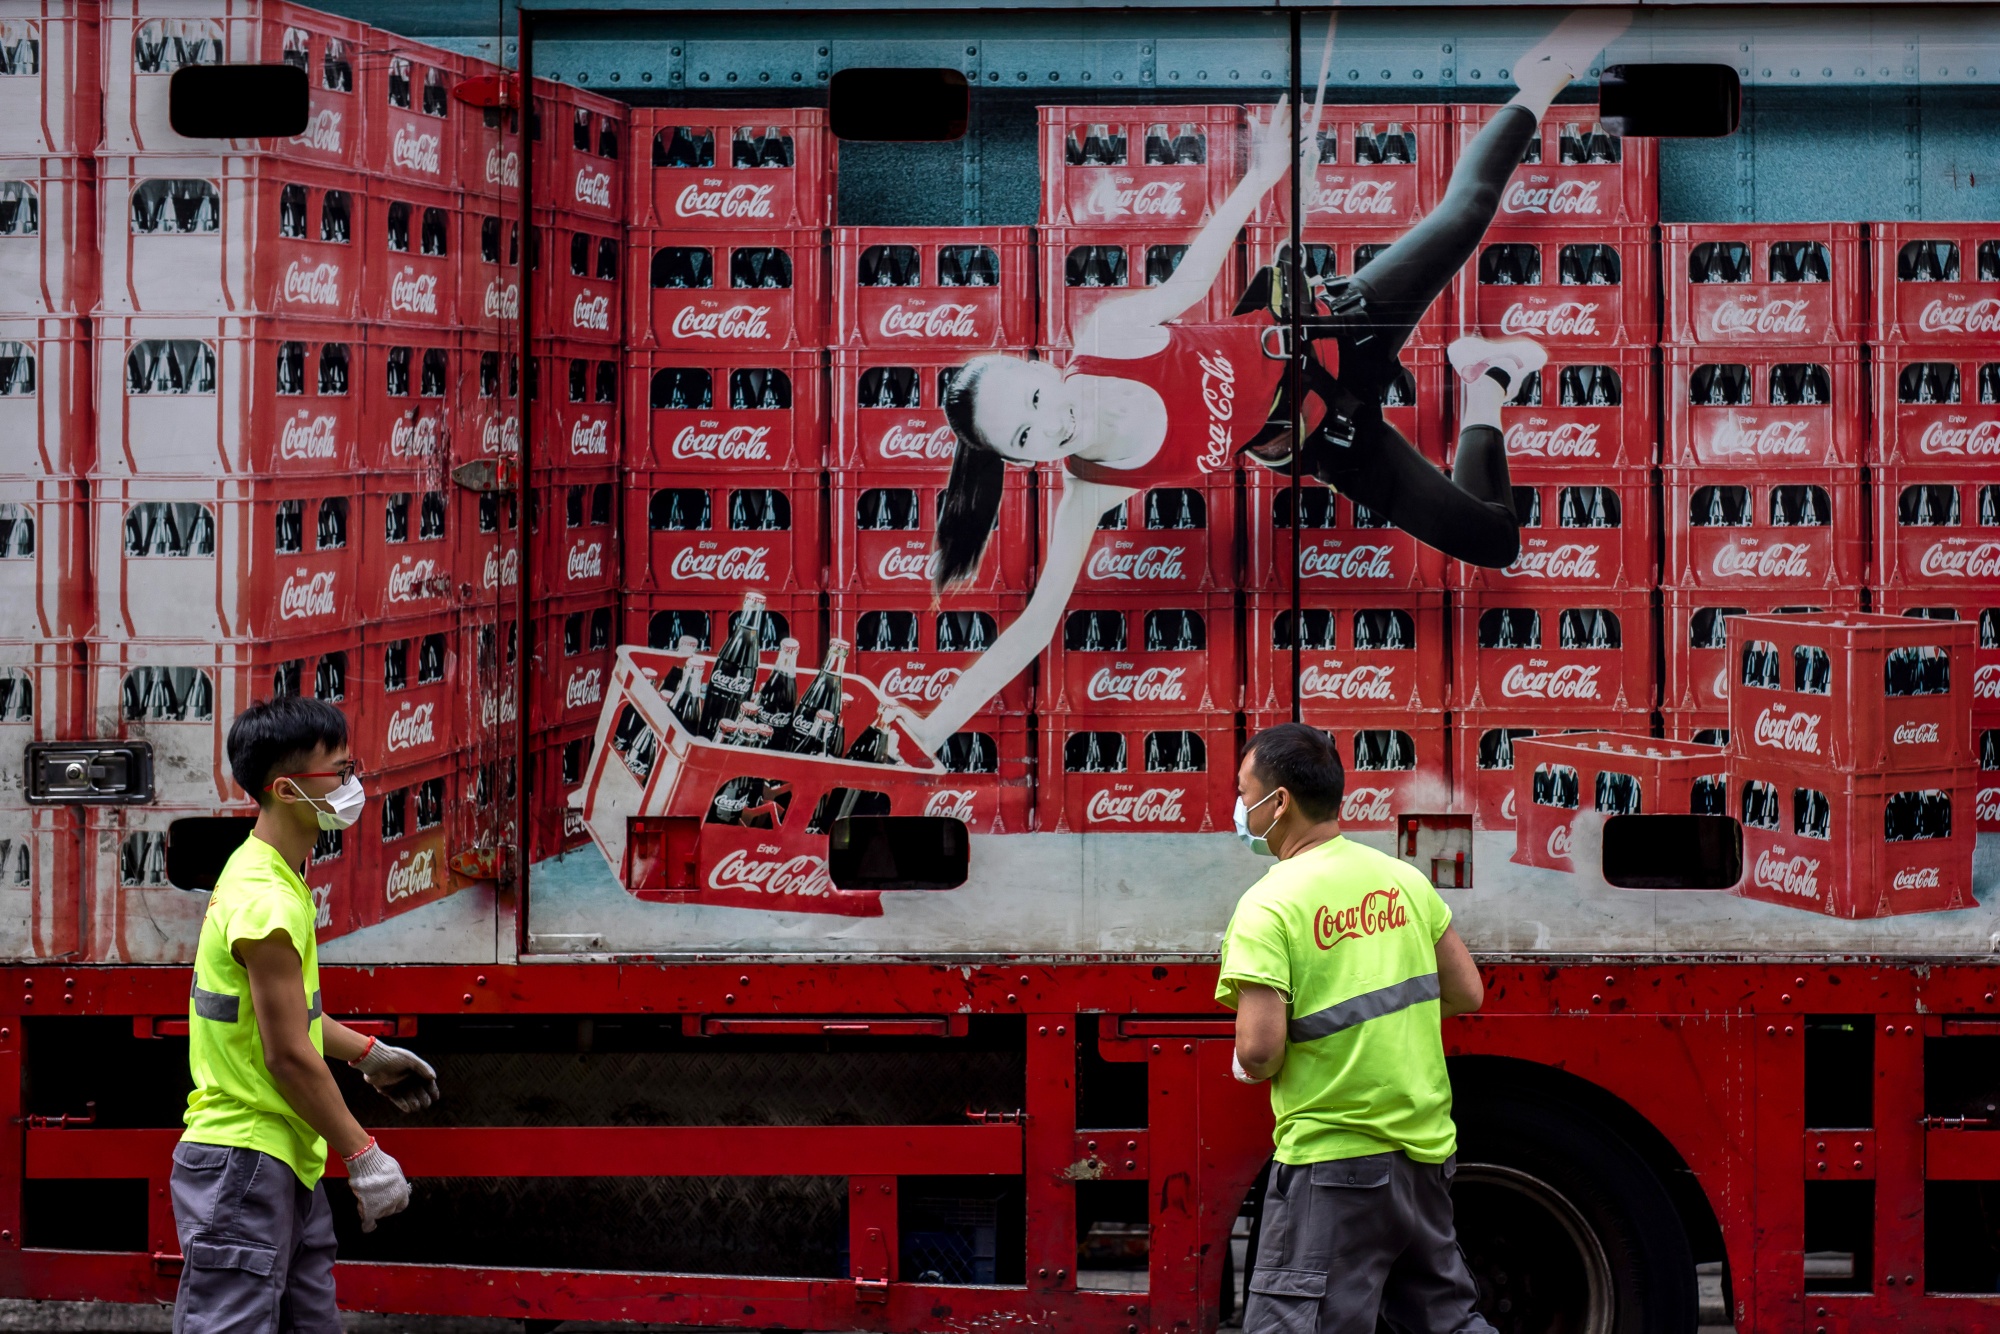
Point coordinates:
[(350, 1157), (372, 1040)]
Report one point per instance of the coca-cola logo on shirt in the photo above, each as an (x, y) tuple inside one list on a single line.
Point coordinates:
[(1956, 559), (903, 563), (591, 312), (1738, 436), (413, 437), (414, 579), (917, 685), (313, 284), (1155, 805), (1559, 844), (410, 726), (414, 150), (1366, 805), (1332, 562), (413, 293), (503, 569), (1914, 734), (1369, 683), (1565, 319), (1986, 682), (1977, 440), (590, 435), (322, 132), (1973, 317), (952, 319), (914, 442), (951, 804), (1148, 685), (1795, 731), (1113, 198), (734, 444), (306, 595), (737, 563), (1569, 681), (503, 168), (1916, 877), (308, 438), (741, 322), (1218, 399), (1149, 565), (707, 199), (801, 877), (1779, 560), (1570, 560), (1565, 440), (1571, 198), (414, 873), (1746, 315), (1798, 876), (593, 188), (1379, 910), (503, 300), (584, 688), (1358, 199)]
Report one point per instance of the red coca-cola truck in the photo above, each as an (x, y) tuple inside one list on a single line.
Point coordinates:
[(803, 945)]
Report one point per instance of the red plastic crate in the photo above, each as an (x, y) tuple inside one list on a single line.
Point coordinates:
[(1555, 423), (409, 384), (1082, 267), (43, 697), (659, 620), (45, 385), (1762, 285), (710, 311), (1707, 727), (489, 671), (1150, 790), (488, 400), (1746, 549), (1852, 869), (235, 235), (1937, 406), (1123, 188), (1337, 556), (45, 561), (682, 410), (575, 639), (412, 692), (1595, 529), (888, 408), (59, 106), (48, 235), (1724, 407), (1558, 779), (1538, 302), (1343, 251), (132, 914), (1395, 762), (1979, 607), (489, 142), (1986, 800), (722, 531), (181, 697), (890, 288), (409, 559), (581, 141), (489, 270), (1928, 295), (894, 552), (1851, 691), (39, 849), (1698, 665), (1937, 527), (1164, 539), (143, 42), (401, 848), (1532, 650), (414, 253), (1004, 803), (414, 126), (1551, 189), (1177, 653), (558, 760), (573, 521), (896, 640), (679, 183), (1379, 166), (577, 278), (486, 546), (576, 421), (1359, 651), (1482, 752)]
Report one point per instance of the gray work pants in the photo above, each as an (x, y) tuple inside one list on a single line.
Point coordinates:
[(257, 1245), (1344, 1240)]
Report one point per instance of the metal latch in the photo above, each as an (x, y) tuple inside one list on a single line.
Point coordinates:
[(101, 773)]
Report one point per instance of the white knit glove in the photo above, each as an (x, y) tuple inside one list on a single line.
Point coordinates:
[(403, 1077), (378, 1183)]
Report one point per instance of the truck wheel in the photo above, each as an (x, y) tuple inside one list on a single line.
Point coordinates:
[(1567, 1230)]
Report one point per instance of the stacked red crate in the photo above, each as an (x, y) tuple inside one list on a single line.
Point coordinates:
[(1618, 774)]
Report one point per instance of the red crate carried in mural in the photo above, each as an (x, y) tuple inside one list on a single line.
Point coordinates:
[(1854, 845), (48, 236), (1330, 252), (1566, 289), (43, 697), (578, 278), (706, 168), (575, 407), (1395, 762), (888, 408), (414, 127), (1850, 691), (1933, 406), (1937, 527), (1765, 407), (576, 538), (45, 387), (1574, 173), (720, 531), (54, 101), (1356, 651), (1763, 285), (1587, 411), (1696, 640), (414, 253), (1555, 651), (401, 849), (1379, 166), (1578, 530), (1083, 267), (717, 410), (929, 288), (1164, 539), (1343, 547), (1164, 773), (1559, 780), (737, 292), (580, 149), (1112, 656), (1482, 752), (1138, 166), (884, 532), (1936, 283), (1980, 608), (1790, 529), (915, 647), (412, 694), (574, 642)]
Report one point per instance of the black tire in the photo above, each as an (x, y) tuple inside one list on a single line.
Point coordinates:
[(1567, 1229)]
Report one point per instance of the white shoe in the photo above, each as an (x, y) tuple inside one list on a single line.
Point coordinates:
[(1515, 358), (1568, 52)]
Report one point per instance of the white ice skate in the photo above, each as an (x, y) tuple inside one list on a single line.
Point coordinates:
[(1515, 358)]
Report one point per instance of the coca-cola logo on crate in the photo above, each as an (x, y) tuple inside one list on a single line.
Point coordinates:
[(913, 442), (1564, 440), (414, 873), (313, 284), (736, 563), (306, 437), (1366, 805), (1565, 319), (1155, 805), (796, 877), (1366, 682), (1737, 437), (740, 321), (1779, 560), (1559, 844), (306, 595), (593, 188), (1747, 315), (1358, 199), (502, 569), (414, 150), (1786, 875), (502, 301), (1795, 731), (589, 436), (1507, 805), (1154, 564), (709, 200), (584, 688), (586, 561), (1570, 560), (591, 312), (414, 579), (1986, 682), (1960, 560), (1149, 685), (1362, 562), (918, 686), (734, 444), (1109, 200), (902, 563), (1916, 877), (503, 168), (1973, 317), (322, 132), (952, 319), (1914, 734), (1574, 198), (410, 726), (951, 804), (501, 435), (1977, 440), (1569, 681), (413, 437), (1987, 805), (413, 293)]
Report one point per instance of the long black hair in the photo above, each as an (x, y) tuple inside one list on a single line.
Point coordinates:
[(972, 492)]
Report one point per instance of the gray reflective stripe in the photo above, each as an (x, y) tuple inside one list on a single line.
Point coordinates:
[(314, 1011), (214, 1005), (1360, 1009)]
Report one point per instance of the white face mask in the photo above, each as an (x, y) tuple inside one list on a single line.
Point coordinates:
[(1255, 842), (342, 806)]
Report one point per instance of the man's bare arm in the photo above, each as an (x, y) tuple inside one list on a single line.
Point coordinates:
[(1261, 1016), (278, 997), (1459, 987)]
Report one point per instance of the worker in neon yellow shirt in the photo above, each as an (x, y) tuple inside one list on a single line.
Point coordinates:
[(255, 1228), (1340, 964)]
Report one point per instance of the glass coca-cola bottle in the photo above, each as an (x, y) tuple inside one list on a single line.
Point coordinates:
[(806, 735), (778, 700), (735, 672), (874, 745)]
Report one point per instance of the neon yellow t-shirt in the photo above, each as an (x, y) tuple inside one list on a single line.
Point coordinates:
[(235, 1103), (1350, 936)]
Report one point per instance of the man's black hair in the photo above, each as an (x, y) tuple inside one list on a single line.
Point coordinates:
[(278, 734), (1305, 762)]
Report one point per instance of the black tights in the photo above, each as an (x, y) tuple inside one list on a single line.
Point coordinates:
[(1468, 515)]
